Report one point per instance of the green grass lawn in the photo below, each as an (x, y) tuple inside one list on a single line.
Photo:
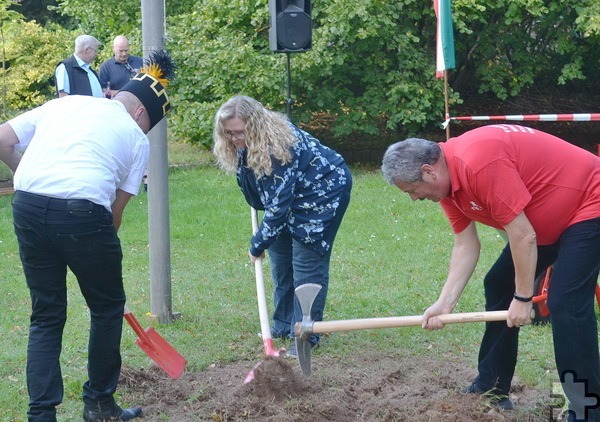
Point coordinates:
[(390, 259)]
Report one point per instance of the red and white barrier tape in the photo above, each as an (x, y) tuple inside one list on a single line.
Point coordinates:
[(577, 117)]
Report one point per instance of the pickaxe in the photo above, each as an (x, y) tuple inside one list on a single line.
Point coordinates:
[(307, 293)]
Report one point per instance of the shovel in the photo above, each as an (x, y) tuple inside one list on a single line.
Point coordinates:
[(265, 328), (156, 347)]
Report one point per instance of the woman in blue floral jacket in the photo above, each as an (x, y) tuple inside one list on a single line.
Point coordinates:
[(304, 189)]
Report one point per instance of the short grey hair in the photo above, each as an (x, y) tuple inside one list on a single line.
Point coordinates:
[(403, 160), (84, 41)]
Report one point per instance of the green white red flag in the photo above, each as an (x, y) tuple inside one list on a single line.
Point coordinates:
[(444, 37)]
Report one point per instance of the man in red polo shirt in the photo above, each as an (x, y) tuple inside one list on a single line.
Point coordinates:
[(545, 194)]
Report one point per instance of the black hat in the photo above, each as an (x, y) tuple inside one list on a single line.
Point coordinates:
[(150, 83)]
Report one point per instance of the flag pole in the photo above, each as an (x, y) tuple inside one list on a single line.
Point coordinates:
[(444, 51), (446, 106)]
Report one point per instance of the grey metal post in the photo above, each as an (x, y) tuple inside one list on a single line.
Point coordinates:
[(153, 37)]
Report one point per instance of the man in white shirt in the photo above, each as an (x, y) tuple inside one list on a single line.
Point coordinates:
[(71, 187), (74, 76)]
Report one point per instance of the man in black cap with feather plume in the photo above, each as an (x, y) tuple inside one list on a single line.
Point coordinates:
[(85, 159)]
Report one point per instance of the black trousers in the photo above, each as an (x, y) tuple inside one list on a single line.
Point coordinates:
[(499, 346), (54, 235), (571, 301)]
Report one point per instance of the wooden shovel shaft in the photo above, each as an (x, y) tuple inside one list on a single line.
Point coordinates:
[(261, 296), (404, 321)]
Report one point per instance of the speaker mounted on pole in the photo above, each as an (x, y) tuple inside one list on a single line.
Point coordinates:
[(291, 26)]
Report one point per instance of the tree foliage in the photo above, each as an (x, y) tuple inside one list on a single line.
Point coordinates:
[(365, 72), (29, 80), (509, 45), (369, 74), (41, 11), (103, 19)]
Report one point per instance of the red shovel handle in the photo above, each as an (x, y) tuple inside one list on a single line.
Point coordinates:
[(134, 323)]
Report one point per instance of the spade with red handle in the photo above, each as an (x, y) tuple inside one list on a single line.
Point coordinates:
[(156, 347)]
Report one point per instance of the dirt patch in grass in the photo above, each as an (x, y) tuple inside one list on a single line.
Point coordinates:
[(369, 387)]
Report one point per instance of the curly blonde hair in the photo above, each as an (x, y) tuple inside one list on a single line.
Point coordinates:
[(269, 136)]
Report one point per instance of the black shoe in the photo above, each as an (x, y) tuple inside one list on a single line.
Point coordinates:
[(473, 389), (501, 401), (109, 413)]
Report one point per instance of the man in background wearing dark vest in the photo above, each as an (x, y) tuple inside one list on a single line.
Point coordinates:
[(74, 76)]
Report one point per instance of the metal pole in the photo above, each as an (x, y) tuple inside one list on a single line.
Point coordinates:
[(153, 35), (446, 106), (289, 88)]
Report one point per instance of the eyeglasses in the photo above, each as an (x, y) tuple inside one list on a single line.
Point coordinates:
[(128, 67), (241, 135)]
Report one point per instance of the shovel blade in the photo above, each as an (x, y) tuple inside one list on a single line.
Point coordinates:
[(161, 352), (303, 348)]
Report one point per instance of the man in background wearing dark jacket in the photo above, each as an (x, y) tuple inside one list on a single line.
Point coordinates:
[(74, 76)]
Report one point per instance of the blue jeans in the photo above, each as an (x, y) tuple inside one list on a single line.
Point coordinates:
[(571, 300), (293, 264), (54, 235), (282, 273)]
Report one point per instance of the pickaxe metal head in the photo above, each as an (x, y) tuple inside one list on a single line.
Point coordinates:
[(306, 295)]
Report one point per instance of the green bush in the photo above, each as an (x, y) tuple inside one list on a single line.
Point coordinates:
[(32, 53)]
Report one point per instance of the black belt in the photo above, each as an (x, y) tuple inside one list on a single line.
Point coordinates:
[(70, 205)]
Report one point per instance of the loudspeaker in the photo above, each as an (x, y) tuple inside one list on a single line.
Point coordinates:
[(291, 26)]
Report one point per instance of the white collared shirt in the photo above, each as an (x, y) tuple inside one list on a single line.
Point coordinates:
[(80, 147)]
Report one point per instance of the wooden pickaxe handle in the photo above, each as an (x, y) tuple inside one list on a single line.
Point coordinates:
[(403, 321), (307, 293)]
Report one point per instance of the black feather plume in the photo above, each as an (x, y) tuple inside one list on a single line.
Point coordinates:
[(160, 65)]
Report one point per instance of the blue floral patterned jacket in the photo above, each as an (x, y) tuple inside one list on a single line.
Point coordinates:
[(301, 196)]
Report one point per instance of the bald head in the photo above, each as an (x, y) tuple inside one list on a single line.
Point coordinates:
[(121, 48)]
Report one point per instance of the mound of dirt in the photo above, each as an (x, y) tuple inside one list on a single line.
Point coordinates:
[(366, 388)]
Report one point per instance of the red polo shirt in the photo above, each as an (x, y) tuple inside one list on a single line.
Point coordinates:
[(497, 171)]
